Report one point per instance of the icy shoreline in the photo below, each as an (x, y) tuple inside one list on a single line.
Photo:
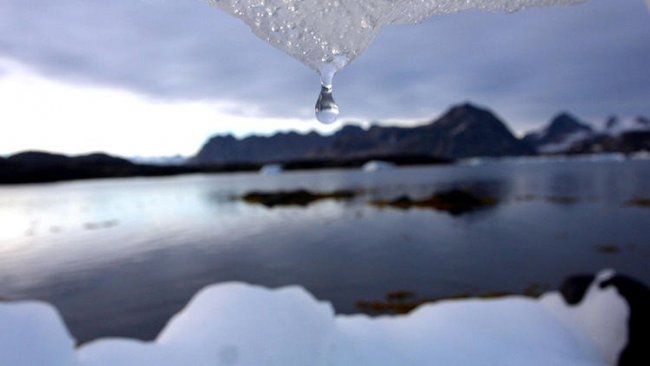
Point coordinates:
[(241, 324)]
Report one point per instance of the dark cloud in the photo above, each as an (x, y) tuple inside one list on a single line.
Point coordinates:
[(591, 59)]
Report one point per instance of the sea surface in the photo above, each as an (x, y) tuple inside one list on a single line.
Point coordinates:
[(119, 257)]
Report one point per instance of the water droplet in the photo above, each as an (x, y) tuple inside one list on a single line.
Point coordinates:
[(326, 109)]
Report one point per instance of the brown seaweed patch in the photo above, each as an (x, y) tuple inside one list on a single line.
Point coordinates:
[(299, 197), (403, 302), (638, 202), (455, 202), (536, 289), (400, 295), (608, 248), (383, 307)]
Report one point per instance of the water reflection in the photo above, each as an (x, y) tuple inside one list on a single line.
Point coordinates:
[(118, 257)]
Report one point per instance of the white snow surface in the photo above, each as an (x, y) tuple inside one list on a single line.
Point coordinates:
[(628, 124), (335, 32), (271, 169), (566, 143), (377, 165), (602, 316), (240, 324)]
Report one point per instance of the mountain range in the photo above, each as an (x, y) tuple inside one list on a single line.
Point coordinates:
[(464, 131), (567, 135)]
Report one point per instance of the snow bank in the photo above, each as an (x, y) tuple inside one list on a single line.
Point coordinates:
[(510, 331), (239, 324), (231, 324), (317, 32), (601, 316), (33, 333)]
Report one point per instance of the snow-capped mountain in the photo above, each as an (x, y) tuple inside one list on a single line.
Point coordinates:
[(463, 131), (563, 132), (566, 134), (615, 126)]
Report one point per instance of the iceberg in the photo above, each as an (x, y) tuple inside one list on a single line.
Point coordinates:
[(241, 324), (377, 165), (271, 169)]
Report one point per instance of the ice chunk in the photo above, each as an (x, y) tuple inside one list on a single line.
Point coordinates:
[(33, 333), (326, 35), (271, 169), (316, 32), (239, 324), (377, 165), (602, 316), (249, 325), (231, 324), (509, 331)]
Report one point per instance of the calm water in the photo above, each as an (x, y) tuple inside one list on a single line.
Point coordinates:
[(119, 257)]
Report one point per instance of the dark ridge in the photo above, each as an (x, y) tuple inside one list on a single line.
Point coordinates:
[(560, 127), (463, 131), (42, 167)]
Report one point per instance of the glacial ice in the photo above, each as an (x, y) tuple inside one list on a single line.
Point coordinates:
[(240, 324), (317, 31), (327, 35)]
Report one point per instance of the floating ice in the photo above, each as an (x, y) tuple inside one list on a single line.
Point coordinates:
[(239, 324), (327, 35), (377, 165)]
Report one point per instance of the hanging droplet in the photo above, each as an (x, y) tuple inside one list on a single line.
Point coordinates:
[(326, 109)]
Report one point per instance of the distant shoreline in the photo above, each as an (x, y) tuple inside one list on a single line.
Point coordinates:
[(42, 167)]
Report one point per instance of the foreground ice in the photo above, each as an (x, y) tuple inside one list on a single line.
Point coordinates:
[(335, 32), (239, 324)]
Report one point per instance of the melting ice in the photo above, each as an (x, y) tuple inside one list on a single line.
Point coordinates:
[(244, 325), (329, 34)]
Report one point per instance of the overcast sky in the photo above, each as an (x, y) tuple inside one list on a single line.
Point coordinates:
[(157, 77)]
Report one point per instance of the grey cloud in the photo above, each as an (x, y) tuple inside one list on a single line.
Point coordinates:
[(590, 59)]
